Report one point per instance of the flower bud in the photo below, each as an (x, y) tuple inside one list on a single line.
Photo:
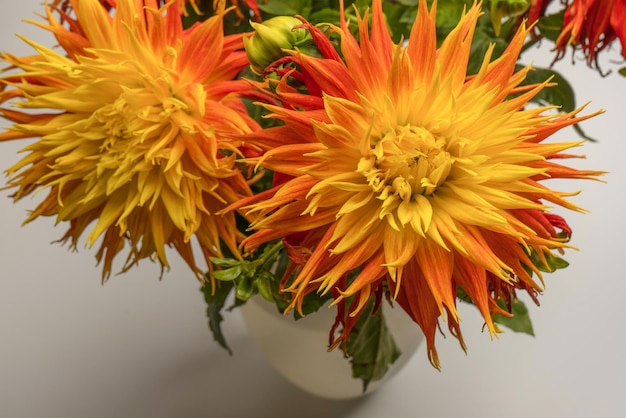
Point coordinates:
[(270, 38), (506, 8)]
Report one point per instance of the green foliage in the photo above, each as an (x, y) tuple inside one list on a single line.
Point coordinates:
[(286, 7), (371, 346), (258, 274), (448, 14), (243, 277), (552, 262), (250, 276), (550, 26), (519, 322), (484, 37), (215, 301)]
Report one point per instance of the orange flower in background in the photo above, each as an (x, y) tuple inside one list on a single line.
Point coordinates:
[(131, 129), (593, 25), (398, 172)]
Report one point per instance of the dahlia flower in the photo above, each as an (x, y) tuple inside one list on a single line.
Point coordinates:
[(132, 125), (397, 173), (593, 25)]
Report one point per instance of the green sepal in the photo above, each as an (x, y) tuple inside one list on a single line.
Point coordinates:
[(370, 346), (265, 286), (228, 274), (215, 303), (519, 322), (250, 276)]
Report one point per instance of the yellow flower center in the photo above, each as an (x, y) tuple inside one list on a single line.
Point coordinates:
[(404, 162)]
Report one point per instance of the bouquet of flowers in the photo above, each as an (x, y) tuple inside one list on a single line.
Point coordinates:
[(316, 153)]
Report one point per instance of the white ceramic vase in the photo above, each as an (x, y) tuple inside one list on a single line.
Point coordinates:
[(298, 349)]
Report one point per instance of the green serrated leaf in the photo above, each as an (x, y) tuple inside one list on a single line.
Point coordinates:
[(519, 322), (371, 346), (622, 71), (215, 303)]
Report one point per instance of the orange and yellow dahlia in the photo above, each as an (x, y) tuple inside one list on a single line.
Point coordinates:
[(396, 172), (132, 125)]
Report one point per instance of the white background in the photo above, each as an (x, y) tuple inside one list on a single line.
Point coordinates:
[(139, 347)]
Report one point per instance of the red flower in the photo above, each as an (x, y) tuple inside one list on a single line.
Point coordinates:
[(593, 25)]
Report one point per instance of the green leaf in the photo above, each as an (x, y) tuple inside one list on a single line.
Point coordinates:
[(484, 36), (215, 303), (408, 2), (449, 12), (286, 7), (551, 264), (622, 71), (326, 15), (371, 346), (519, 322), (400, 18), (550, 26), (312, 303)]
